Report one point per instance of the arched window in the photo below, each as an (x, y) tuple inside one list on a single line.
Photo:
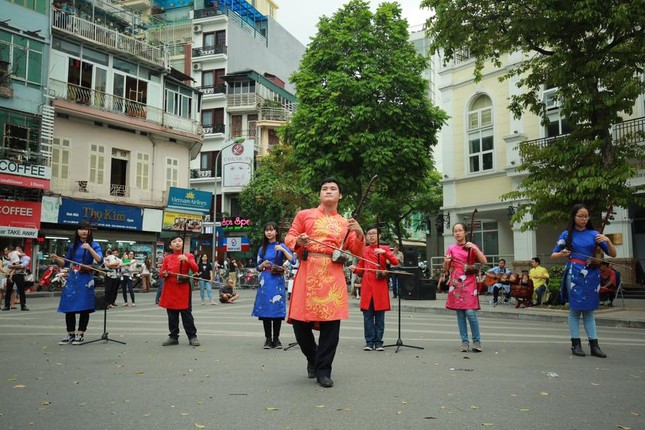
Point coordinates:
[(480, 135)]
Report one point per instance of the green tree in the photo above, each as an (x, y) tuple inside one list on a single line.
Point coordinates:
[(275, 193), (592, 51), (363, 108)]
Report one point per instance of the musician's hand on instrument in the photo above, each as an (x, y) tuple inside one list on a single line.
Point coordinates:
[(602, 238), (565, 252), (354, 226), (86, 245), (182, 257), (378, 251), (164, 273), (352, 268), (279, 248), (303, 239)]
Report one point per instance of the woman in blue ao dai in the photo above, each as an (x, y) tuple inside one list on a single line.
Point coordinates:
[(581, 281), (271, 298)]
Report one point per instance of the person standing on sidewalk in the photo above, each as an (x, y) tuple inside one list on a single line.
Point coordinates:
[(581, 280), (128, 267), (206, 279), (271, 299), (78, 294), (19, 269), (463, 296), (375, 297), (176, 295), (319, 297), (111, 262)]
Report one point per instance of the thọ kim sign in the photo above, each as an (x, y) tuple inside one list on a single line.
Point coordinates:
[(72, 211)]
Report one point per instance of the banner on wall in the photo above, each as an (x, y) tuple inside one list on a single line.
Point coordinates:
[(19, 218), (175, 221), (72, 211), (188, 199)]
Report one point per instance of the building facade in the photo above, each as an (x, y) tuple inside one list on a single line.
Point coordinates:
[(480, 158)]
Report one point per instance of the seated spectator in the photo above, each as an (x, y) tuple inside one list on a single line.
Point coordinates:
[(227, 294), (500, 275), (522, 289), (540, 277), (607, 283)]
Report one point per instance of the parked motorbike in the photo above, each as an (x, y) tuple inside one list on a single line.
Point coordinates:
[(48, 276), (59, 281)]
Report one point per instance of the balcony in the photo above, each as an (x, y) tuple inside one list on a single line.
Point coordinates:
[(23, 156), (208, 90), (202, 173), (275, 114), (631, 131), (209, 50), (107, 38), (121, 105), (243, 102), (214, 128)]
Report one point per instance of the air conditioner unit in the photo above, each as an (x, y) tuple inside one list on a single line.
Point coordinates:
[(197, 28), (197, 66)]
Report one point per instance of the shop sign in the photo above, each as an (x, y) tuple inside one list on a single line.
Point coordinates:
[(24, 182), (233, 244), (177, 221), (236, 223), (18, 232), (237, 165), (72, 211), (20, 214), (192, 200), (22, 169)]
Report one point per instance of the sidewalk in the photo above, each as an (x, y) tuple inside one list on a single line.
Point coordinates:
[(632, 315)]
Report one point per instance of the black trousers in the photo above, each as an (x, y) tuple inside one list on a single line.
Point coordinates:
[(270, 323), (19, 282), (186, 319), (111, 289), (320, 356), (83, 320)]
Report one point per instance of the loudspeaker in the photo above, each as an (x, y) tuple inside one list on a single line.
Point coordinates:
[(99, 301), (410, 257), (413, 287)]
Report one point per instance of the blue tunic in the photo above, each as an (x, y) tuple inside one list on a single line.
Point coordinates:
[(271, 297), (580, 284), (78, 293)]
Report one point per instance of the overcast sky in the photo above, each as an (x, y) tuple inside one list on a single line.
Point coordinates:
[(300, 17)]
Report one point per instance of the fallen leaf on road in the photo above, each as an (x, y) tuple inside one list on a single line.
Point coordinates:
[(399, 412), (183, 414), (623, 427), (272, 409), (139, 372), (404, 402), (634, 414), (488, 424), (146, 415), (19, 386), (344, 409), (429, 418), (83, 404), (320, 406), (12, 379), (46, 402), (199, 426), (544, 393), (474, 407), (594, 384), (524, 410)]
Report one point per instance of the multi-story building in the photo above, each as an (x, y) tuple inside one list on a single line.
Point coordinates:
[(26, 121), (241, 60), (126, 127), (480, 161)]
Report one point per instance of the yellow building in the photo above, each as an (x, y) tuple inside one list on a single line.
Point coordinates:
[(479, 160)]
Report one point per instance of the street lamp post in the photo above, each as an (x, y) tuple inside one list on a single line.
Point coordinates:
[(215, 194)]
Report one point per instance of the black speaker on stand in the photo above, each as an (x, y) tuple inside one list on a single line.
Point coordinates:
[(410, 257), (416, 288)]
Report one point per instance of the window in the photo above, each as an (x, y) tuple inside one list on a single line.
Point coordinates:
[(486, 235), (214, 43), (25, 57), (213, 120), (480, 135), (179, 100), (16, 138), (252, 125), (143, 171), (172, 172), (60, 158), (241, 87), (212, 82), (40, 6), (558, 124), (97, 164)]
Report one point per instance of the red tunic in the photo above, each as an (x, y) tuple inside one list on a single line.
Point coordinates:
[(319, 289), (173, 295), (371, 287)]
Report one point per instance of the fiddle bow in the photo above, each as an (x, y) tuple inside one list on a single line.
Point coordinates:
[(595, 260)]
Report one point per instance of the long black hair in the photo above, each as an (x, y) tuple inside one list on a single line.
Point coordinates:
[(265, 241), (83, 225), (571, 225)]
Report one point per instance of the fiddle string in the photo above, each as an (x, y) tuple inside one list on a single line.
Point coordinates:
[(341, 250)]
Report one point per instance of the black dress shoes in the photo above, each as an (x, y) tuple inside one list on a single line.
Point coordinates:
[(325, 381), (311, 373)]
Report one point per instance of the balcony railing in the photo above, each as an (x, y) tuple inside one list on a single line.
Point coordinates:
[(209, 50), (248, 100), (214, 128), (213, 89), (22, 156), (121, 105), (106, 37), (202, 173), (630, 131), (275, 114)]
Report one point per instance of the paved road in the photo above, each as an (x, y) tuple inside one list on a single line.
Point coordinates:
[(230, 382)]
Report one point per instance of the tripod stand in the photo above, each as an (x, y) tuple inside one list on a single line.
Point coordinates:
[(102, 304), (399, 343), (291, 345)]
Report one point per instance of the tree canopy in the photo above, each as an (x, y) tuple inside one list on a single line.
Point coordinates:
[(593, 52), (364, 109)]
